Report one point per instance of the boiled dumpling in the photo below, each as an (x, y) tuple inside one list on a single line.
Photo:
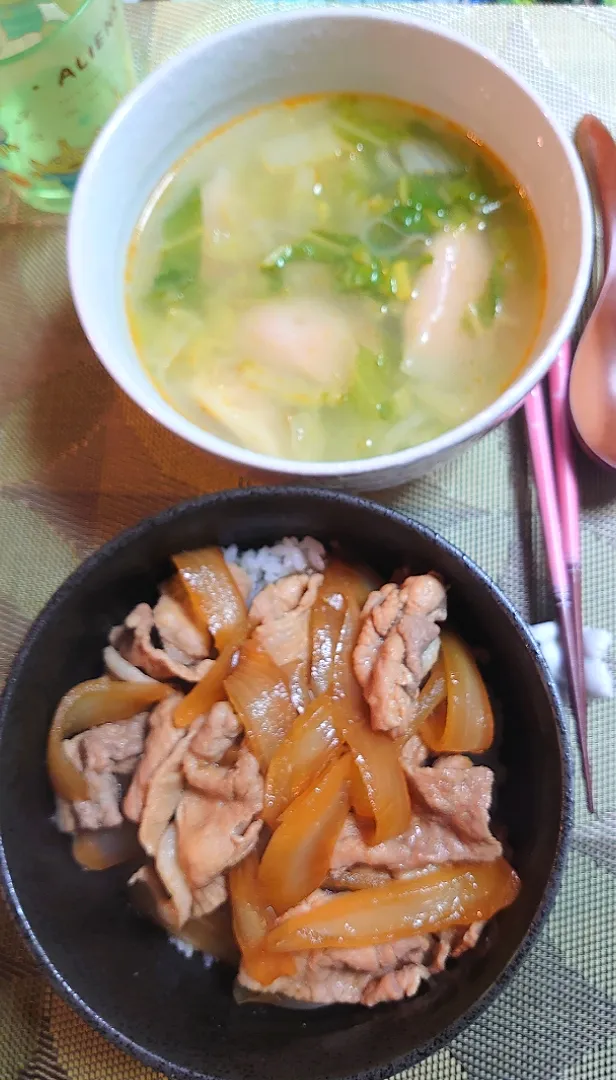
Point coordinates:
[(458, 274), (309, 338)]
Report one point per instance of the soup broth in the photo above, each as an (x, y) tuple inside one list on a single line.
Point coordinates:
[(334, 278)]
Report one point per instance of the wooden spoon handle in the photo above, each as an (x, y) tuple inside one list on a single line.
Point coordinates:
[(597, 150)]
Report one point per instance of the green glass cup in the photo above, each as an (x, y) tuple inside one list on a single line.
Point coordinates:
[(55, 97)]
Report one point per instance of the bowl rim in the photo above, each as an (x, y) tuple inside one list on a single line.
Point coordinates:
[(233, 496), (160, 410)]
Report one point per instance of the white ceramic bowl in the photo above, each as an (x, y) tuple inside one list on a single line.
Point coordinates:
[(318, 51)]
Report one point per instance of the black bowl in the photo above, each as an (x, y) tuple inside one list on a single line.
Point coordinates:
[(121, 974)]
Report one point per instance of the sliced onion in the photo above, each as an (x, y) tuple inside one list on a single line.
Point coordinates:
[(98, 701), (297, 859), (466, 724), (308, 748), (359, 798), (252, 920), (216, 602), (208, 691), (326, 618), (344, 682), (431, 694), (296, 673), (385, 789), (260, 697), (451, 895), (335, 616)]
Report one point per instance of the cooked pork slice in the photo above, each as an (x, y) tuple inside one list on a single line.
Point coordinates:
[(114, 747), (452, 943), (163, 795), (413, 754), (442, 951), (450, 823), (397, 645), (218, 733), (467, 938), (134, 640), (162, 737), (213, 836), (159, 781), (378, 959), (283, 596), (216, 824), (314, 983), (181, 639), (209, 898), (102, 809), (172, 877), (102, 754), (460, 794), (395, 985), (286, 639), (281, 614), (239, 782), (428, 842)]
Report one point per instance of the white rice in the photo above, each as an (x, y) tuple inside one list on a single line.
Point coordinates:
[(268, 564)]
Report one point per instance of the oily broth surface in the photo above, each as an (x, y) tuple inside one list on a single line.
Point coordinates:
[(188, 343)]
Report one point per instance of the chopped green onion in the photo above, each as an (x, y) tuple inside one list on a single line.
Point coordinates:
[(355, 267)]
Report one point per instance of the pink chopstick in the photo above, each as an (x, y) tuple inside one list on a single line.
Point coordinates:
[(561, 533), (566, 480), (541, 453), (568, 494)]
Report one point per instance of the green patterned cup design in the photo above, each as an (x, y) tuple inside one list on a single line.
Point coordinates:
[(58, 91)]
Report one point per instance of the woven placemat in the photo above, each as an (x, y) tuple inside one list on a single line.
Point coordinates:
[(78, 462)]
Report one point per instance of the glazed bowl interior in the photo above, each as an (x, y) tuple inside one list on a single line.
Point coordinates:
[(174, 1013), (273, 59)]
